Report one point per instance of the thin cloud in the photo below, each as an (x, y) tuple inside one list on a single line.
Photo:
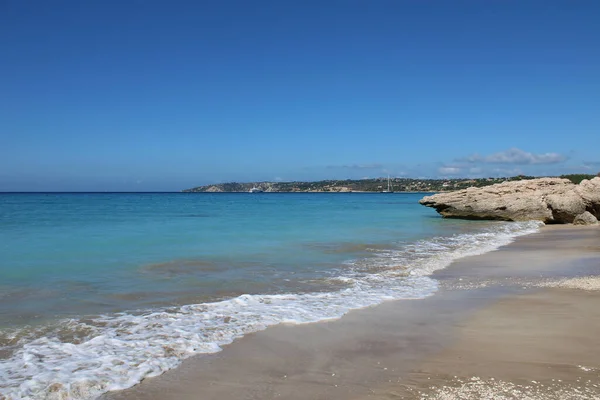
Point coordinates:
[(579, 168), (507, 172), (449, 170), (516, 156), (356, 166), (591, 164)]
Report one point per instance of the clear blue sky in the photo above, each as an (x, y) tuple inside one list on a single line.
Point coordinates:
[(164, 95)]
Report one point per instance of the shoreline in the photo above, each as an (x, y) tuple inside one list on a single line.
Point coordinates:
[(118, 350), (328, 192), (368, 350)]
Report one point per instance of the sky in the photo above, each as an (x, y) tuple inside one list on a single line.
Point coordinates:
[(149, 95)]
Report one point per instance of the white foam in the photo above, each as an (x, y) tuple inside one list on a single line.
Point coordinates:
[(424, 257), (125, 348)]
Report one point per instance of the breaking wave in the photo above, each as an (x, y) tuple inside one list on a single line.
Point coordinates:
[(94, 355)]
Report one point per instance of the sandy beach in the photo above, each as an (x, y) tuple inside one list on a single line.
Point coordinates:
[(521, 322)]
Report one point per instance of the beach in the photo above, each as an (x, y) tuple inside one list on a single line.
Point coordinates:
[(300, 200), (511, 323), (104, 291), (261, 296)]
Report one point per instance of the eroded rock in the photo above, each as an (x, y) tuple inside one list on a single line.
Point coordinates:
[(550, 200), (585, 218)]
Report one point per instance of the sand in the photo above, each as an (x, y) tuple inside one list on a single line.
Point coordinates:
[(543, 345), (519, 323)]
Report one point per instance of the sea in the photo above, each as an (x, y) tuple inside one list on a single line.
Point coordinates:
[(101, 290)]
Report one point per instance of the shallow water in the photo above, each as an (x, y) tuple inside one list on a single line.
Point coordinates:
[(101, 290)]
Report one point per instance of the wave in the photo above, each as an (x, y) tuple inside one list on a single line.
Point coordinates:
[(114, 352)]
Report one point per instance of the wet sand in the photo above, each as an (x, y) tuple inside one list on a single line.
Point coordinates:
[(499, 322), (542, 345)]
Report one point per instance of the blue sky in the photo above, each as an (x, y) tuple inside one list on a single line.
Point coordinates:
[(164, 95)]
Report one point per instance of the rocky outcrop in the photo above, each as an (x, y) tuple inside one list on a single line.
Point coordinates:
[(585, 218), (550, 200), (589, 190)]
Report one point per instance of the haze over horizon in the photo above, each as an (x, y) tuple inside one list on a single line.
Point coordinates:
[(163, 96)]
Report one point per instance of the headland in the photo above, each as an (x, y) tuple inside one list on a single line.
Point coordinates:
[(403, 185)]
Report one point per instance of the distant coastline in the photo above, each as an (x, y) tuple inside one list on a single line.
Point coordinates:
[(398, 185)]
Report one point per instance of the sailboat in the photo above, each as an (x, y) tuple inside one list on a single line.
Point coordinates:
[(389, 190)]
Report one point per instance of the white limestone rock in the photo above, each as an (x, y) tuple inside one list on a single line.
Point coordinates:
[(550, 200)]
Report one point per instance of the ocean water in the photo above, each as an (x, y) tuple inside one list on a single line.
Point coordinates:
[(99, 291)]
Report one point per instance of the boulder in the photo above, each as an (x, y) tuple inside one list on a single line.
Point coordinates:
[(585, 218), (550, 200), (589, 190), (565, 206)]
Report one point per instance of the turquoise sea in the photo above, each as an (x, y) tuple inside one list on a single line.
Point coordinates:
[(98, 291)]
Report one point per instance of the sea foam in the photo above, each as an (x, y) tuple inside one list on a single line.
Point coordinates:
[(120, 350)]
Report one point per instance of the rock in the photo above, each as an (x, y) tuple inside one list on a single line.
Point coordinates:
[(589, 190), (585, 218), (565, 206), (550, 200)]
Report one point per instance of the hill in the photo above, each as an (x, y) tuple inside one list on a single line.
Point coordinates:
[(365, 185)]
